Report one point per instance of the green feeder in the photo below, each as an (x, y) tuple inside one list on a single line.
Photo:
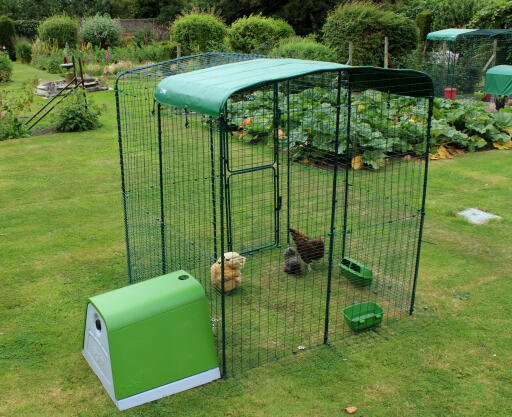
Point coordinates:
[(356, 272), (363, 315), (151, 339)]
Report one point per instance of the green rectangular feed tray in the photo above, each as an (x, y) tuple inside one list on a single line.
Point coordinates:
[(363, 315), (356, 272)]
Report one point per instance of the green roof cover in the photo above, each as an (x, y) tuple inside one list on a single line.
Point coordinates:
[(498, 80), (454, 34), (207, 90), (447, 34)]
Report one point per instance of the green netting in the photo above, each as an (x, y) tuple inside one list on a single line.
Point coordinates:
[(330, 164), (207, 90), (498, 80)]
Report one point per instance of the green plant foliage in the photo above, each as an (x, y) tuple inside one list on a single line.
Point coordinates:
[(305, 48), (258, 34), (170, 10), (468, 125), (5, 67), (143, 37), (424, 23), (199, 32), (411, 8), (464, 125), (50, 63), (366, 26), (101, 31), (127, 40), (170, 50), (26, 28), (74, 116), (497, 14), (453, 13), (24, 52), (12, 104), (305, 16), (61, 29), (7, 36)]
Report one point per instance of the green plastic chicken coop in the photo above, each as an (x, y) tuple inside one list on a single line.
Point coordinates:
[(226, 152), (150, 340)]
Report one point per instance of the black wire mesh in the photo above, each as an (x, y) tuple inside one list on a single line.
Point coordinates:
[(275, 171), (462, 63)]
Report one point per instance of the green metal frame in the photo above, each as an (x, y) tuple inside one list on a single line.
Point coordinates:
[(193, 190)]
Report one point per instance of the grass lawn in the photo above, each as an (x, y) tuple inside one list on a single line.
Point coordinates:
[(62, 240)]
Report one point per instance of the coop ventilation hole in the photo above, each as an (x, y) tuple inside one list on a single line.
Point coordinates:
[(183, 277), (98, 325)]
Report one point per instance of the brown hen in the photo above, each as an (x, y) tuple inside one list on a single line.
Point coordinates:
[(309, 249)]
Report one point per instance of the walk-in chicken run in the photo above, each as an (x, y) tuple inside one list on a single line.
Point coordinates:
[(293, 190)]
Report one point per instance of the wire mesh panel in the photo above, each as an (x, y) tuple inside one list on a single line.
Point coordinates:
[(300, 185), (462, 63)]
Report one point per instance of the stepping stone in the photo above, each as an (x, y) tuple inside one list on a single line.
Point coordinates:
[(476, 216)]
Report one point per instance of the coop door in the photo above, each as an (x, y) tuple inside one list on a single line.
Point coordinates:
[(253, 204)]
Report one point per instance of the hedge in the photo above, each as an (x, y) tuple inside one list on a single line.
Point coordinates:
[(305, 48), (26, 28), (366, 26), (59, 29), (199, 32), (258, 34), (7, 36)]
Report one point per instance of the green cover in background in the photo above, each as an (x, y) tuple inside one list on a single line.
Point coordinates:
[(498, 80), (448, 34), (159, 331)]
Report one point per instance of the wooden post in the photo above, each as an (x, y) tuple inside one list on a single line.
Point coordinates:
[(494, 52), (350, 53), (278, 50), (386, 52), (492, 59), (178, 51)]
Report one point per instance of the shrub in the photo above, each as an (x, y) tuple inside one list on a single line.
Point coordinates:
[(367, 25), (101, 31), (199, 32), (5, 67), (424, 23), (170, 50), (7, 36), (305, 48), (116, 68), (26, 28), (411, 8), (127, 40), (60, 29), (150, 53), (12, 104), (49, 63), (73, 116), (143, 37), (305, 16), (24, 52), (453, 13), (257, 34), (171, 11), (495, 15)]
